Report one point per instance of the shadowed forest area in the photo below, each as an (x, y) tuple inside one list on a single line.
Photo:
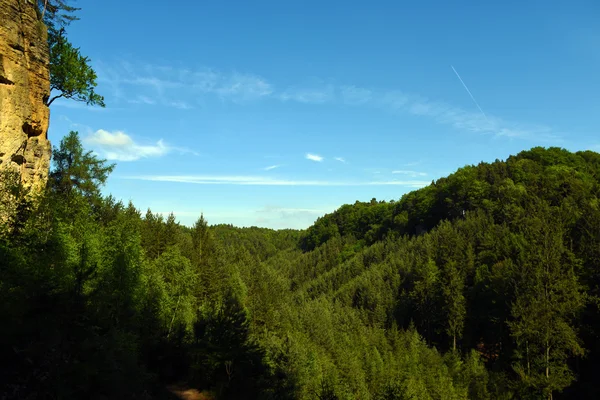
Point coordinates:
[(482, 285)]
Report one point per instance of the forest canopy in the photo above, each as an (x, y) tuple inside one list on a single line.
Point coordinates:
[(482, 285)]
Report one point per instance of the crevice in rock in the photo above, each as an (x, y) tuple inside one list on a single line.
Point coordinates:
[(18, 159), (17, 47), (5, 81), (31, 131)]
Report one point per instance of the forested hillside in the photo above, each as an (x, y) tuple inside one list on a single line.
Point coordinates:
[(482, 285)]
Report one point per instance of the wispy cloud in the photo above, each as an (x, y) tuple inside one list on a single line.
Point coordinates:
[(340, 159), (181, 88), (461, 119), (174, 87), (160, 85), (392, 100), (355, 96), (270, 167), (272, 209), (412, 184), (78, 105), (118, 146), (242, 87), (412, 174), (446, 114), (311, 95), (285, 217), (268, 181), (313, 157), (182, 105), (142, 100), (269, 216)]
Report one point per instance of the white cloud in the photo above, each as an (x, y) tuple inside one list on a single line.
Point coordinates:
[(160, 85), (412, 174), (270, 167), (172, 85), (340, 159), (412, 184), (182, 105), (309, 95), (76, 105), (142, 100), (244, 180), (313, 157), (204, 80), (243, 87), (119, 146), (269, 216), (447, 114), (178, 87), (272, 209), (285, 217), (393, 100), (355, 96), (228, 180), (478, 123)]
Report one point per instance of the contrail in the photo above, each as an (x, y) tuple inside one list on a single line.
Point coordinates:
[(468, 91)]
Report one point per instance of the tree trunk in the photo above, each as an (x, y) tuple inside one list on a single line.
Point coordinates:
[(527, 352), (44, 12), (174, 314), (548, 365), (547, 360)]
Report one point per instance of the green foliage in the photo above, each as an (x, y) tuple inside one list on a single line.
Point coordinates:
[(474, 282), (70, 72), (77, 174), (16, 203), (549, 297), (482, 285), (56, 12), (454, 302)]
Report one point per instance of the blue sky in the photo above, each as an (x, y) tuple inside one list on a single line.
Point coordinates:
[(272, 113)]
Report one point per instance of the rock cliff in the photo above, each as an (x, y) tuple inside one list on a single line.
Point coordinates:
[(24, 89)]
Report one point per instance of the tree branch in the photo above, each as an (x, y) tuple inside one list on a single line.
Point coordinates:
[(44, 12), (54, 98)]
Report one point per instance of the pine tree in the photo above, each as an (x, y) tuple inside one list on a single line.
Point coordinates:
[(548, 298), (426, 296), (454, 301), (77, 173)]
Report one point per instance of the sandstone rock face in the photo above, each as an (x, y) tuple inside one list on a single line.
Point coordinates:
[(24, 89)]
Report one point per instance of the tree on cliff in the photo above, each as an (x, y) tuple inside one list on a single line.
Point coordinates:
[(71, 75), (56, 12), (70, 72)]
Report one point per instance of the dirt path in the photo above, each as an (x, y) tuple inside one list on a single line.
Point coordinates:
[(189, 394)]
